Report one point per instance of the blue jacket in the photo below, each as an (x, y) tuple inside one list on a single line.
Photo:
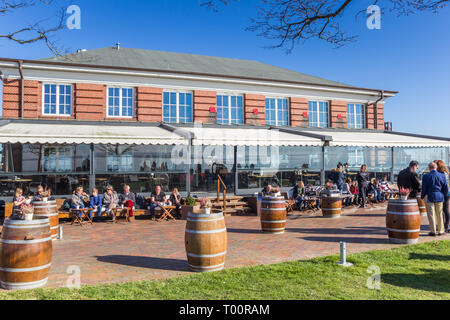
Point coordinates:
[(95, 201), (434, 186)]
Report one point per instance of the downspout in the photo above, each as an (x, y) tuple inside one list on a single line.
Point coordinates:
[(376, 108), (22, 88)]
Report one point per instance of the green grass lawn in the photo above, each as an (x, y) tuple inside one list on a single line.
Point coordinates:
[(410, 272)]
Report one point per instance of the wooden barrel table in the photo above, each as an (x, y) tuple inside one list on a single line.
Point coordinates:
[(206, 242), (25, 253), (422, 207), (273, 215), (403, 221), (331, 207), (49, 210)]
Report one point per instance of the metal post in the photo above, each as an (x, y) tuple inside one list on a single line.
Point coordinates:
[(188, 166), (92, 167), (343, 261), (322, 174), (393, 166)]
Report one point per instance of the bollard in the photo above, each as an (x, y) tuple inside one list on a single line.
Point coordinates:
[(343, 261), (60, 233)]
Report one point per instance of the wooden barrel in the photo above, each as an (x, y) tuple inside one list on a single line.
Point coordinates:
[(422, 207), (26, 253), (206, 242), (48, 209), (273, 215), (403, 221), (331, 207)]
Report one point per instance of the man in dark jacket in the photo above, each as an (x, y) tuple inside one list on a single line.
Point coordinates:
[(409, 179), (363, 185), (337, 177), (434, 188)]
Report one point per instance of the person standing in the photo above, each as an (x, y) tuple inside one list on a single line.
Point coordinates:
[(337, 176), (363, 184), (409, 179), (434, 187), (442, 168)]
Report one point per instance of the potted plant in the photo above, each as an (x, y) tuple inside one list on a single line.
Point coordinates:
[(189, 205), (404, 193), (28, 212), (206, 205), (275, 192), (45, 196)]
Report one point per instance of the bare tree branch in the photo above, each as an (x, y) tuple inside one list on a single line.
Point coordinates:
[(292, 21), (38, 31)]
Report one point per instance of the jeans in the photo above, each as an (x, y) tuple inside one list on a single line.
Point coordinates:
[(152, 207), (301, 202), (98, 210)]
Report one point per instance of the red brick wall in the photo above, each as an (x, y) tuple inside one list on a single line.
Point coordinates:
[(380, 116), (203, 101), (338, 109), (149, 103), (370, 117), (89, 102), (254, 102), (11, 99), (299, 108)]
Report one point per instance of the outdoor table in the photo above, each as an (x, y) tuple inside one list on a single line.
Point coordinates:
[(311, 203), (123, 212), (167, 213), (84, 212)]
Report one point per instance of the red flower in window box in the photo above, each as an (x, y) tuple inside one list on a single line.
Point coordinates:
[(340, 116), (212, 109), (305, 114), (255, 111)]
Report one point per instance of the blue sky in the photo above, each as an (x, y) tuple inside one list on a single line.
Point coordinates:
[(409, 54)]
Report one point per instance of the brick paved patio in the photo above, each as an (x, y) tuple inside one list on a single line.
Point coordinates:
[(146, 249)]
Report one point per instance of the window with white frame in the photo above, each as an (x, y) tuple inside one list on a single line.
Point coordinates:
[(230, 109), (277, 112), (318, 114), (119, 161), (57, 159), (57, 100), (356, 116), (355, 156), (177, 107), (120, 102)]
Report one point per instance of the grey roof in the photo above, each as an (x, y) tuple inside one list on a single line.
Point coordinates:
[(190, 63)]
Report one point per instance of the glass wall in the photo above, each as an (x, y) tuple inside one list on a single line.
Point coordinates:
[(282, 165), (377, 160), (403, 156), (60, 168), (142, 167)]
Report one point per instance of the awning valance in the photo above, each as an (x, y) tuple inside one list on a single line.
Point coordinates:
[(64, 133), (249, 137), (378, 139)]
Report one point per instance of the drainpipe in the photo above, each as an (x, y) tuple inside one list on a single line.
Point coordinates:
[(376, 108), (22, 88)]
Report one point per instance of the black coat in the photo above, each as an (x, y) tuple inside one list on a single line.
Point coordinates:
[(409, 179), (363, 179)]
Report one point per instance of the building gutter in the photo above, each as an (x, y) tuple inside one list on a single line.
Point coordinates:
[(305, 134), (376, 108), (22, 88)]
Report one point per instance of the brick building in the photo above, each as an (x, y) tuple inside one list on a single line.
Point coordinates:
[(119, 115)]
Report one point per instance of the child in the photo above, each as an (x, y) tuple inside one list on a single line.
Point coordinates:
[(95, 202), (354, 189), (18, 201)]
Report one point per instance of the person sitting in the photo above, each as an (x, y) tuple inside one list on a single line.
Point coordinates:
[(18, 201), (298, 195), (95, 202), (385, 188), (175, 200), (157, 199), (78, 199), (372, 189), (38, 196), (110, 201), (128, 199), (354, 190), (267, 190), (347, 192)]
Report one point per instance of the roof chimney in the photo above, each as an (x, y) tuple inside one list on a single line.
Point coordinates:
[(118, 46), (81, 50)]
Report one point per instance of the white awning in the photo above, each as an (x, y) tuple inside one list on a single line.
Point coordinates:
[(249, 137), (378, 139), (60, 133)]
